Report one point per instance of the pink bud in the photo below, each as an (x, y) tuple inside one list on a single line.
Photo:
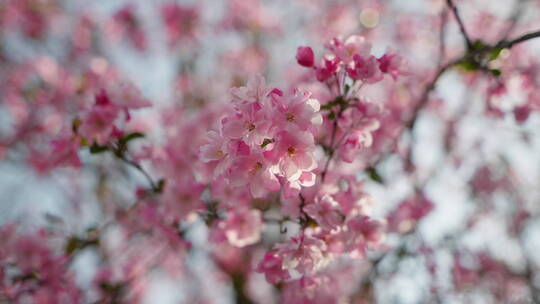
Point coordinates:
[(521, 113), (304, 56)]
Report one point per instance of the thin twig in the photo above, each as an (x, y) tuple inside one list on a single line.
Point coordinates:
[(513, 20), (410, 124), (331, 150), (460, 23), (153, 185)]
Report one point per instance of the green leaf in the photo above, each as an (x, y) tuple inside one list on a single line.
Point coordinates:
[(266, 142), (337, 101), (113, 289), (332, 116), (130, 137), (478, 44), (95, 148), (347, 88), (374, 175), (495, 72), (494, 54), (469, 65), (327, 106)]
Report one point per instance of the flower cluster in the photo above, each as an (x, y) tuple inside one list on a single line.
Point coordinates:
[(99, 123), (180, 22), (337, 227), (125, 23), (267, 142), (32, 272), (353, 56)]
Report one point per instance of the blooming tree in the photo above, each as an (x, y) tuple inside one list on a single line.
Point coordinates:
[(203, 154)]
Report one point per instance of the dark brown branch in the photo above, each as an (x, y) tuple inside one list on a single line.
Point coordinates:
[(510, 43), (155, 187), (442, 38), (460, 23), (513, 20)]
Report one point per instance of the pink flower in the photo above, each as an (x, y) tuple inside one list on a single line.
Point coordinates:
[(328, 68), (345, 51), (127, 96), (405, 216), (326, 211), (63, 152), (304, 254), (272, 267), (31, 271), (356, 140), (242, 227), (126, 24), (522, 113), (255, 90), (98, 124), (362, 114), (180, 22), (299, 110), (253, 170), (181, 197), (215, 150), (294, 152), (305, 56), (362, 233), (250, 123), (364, 69), (392, 64), (292, 188)]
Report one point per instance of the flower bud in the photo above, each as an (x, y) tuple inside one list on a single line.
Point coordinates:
[(304, 56)]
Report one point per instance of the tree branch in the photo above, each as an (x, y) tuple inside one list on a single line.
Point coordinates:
[(503, 44), (460, 23)]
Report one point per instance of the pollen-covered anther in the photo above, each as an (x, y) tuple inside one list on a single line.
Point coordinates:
[(291, 151), (250, 126), (289, 117)]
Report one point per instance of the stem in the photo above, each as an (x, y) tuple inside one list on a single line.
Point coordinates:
[(331, 149), (153, 185)]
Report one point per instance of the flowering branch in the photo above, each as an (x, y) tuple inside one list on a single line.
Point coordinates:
[(477, 56)]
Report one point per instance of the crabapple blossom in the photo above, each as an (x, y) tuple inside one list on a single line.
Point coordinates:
[(242, 227), (303, 255), (408, 213), (180, 22), (268, 135), (272, 267), (326, 212), (392, 64), (365, 69), (126, 23)]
